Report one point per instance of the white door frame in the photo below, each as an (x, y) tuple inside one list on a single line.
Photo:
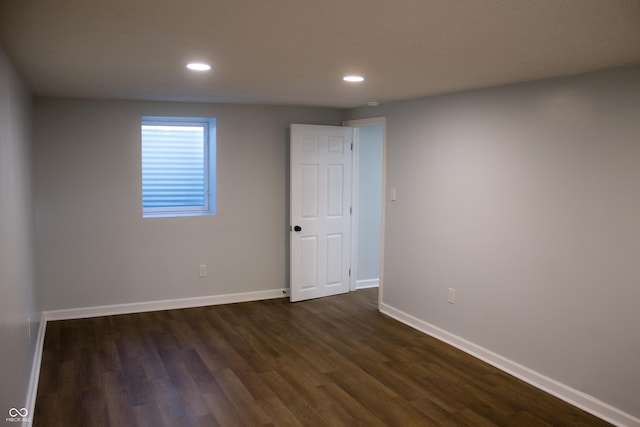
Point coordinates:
[(354, 218)]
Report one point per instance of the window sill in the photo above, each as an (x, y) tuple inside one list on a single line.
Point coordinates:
[(176, 214)]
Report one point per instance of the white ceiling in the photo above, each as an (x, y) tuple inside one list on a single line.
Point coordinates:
[(296, 51)]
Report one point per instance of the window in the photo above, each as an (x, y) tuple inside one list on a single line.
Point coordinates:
[(178, 166)]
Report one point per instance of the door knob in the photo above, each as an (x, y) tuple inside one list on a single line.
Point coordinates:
[(297, 228)]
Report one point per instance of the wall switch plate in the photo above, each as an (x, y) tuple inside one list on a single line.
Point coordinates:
[(452, 296), (202, 270)]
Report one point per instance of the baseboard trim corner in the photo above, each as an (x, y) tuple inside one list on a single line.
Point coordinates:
[(575, 397), (367, 283), (34, 378), (107, 310)]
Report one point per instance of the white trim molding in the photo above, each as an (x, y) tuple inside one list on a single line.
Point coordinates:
[(367, 283), (562, 391), (356, 124), (34, 378), (140, 307)]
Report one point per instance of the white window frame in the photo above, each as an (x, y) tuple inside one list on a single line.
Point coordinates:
[(209, 160)]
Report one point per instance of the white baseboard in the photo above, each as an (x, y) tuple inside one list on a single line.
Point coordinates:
[(30, 402), (139, 307), (568, 394), (368, 283)]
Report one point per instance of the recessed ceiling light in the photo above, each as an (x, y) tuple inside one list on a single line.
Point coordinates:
[(353, 79), (198, 66)]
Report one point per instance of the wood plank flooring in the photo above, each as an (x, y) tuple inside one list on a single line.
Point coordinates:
[(329, 362)]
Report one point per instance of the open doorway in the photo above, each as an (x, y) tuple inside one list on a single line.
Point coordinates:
[(368, 197), (336, 208)]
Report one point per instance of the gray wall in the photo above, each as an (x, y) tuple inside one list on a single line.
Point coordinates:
[(94, 247), (526, 200), (369, 201), (18, 296)]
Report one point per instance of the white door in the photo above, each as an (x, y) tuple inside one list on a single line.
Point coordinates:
[(320, 210)]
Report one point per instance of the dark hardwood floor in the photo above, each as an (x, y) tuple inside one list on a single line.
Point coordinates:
[(329, 362)]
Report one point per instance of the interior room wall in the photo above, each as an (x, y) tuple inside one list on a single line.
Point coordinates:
[(18, 295), (369, 209), (525, 200), (94, 247)]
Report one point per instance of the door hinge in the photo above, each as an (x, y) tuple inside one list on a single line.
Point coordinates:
[(351, 211), (352, 146), (349, 272)]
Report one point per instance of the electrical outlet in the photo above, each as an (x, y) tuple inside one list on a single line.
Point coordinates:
[(452, 296), (202, 269)]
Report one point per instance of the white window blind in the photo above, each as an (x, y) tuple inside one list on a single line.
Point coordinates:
[(175, 166)]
